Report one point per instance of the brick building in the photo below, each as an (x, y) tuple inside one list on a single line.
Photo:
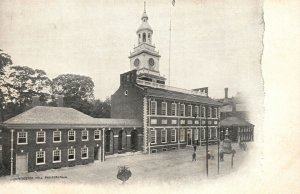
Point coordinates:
[(147, 116), (172, 117), (53, 137), (235, 118)]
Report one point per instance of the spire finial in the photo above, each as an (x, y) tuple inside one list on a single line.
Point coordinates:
[(144, 6)]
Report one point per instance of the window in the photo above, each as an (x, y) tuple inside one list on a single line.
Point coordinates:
[(209, 132), (144, 37), (97, 135), (164, 108), (174, 109), (182, 109), (189, 111), (197, 111), (71, 135), (209, 112), (153, 136), (40, 137), (173, 135), (163, 136), (153, 107), (84, 135), (84, 153), (22, 137), (56, 136), (71, 154), (195, 134), (214, 113), (40, 157), (182, 134), (213, 133), (56, 156), (203, 133)]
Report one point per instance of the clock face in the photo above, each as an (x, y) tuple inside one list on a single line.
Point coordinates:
[(136, 62), (151, 62)]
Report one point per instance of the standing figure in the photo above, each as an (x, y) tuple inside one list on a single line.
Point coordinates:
[(195, 148), (194, 156)]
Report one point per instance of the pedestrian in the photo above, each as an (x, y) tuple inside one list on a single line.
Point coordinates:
[(194, 156), (221, 156), (195, 147), (208, 154)]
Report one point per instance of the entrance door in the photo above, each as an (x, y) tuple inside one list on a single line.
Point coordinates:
[(189, 137), (97, 153), (21, 164)]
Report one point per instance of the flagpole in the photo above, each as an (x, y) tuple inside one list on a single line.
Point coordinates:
[(170, 42)]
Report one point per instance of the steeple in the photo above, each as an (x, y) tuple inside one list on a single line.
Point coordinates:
[(145, 31), (144, 57)]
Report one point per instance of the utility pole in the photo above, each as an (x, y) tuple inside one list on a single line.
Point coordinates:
[(206, 138)]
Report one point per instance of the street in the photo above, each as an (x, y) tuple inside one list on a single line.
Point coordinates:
[(162, 167)]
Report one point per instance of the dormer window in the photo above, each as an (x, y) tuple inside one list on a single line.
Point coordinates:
[(144, 37)]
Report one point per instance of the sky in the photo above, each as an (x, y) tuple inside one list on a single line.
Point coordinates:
[(214, 44)]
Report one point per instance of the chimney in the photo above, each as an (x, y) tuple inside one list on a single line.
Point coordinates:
[(35, 101), (60, 100), (226, 93)]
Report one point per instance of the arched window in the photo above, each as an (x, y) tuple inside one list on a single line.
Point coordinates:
[(144, 37)]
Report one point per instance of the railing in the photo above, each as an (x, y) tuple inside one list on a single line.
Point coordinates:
[(175, 89), (147, 71)]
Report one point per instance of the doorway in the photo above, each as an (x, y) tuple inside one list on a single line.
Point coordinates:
[(189, 137), (21, 163), (97, 153), (134, 140)]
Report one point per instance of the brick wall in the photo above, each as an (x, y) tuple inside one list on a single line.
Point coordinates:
[(32, 147)]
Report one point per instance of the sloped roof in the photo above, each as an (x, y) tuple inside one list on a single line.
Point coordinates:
[(230, 121), (49, 117), (226, 108), (180, 96)]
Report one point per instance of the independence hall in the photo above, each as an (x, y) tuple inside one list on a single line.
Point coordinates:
[(147, 116)]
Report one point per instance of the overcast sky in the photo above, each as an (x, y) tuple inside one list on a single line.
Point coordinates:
[(214, 43)]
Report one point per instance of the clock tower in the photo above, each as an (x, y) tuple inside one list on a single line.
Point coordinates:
[(144, 58)]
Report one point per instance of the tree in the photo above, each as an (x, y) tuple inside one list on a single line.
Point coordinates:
[(71, 85), (101, 109), (23, 83), (78, 91), (5, 60)]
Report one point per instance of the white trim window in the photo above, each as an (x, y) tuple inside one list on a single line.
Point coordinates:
[(153, 136), (209, 112), (164, 136), (196, 134), (189, 111), (174, 109), (182, 109), (213, 133), (21, 138), (164, 108), (97, 134), (203, 112), (71, 154), (173, 135), (84, 153), (40, 157), (56, 136), (85, 135), (153, 108), (202, 133), (209, 132), (40, 137), (214, 113), (56, 156), (182, 134), (71, 135), (197, 111)]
